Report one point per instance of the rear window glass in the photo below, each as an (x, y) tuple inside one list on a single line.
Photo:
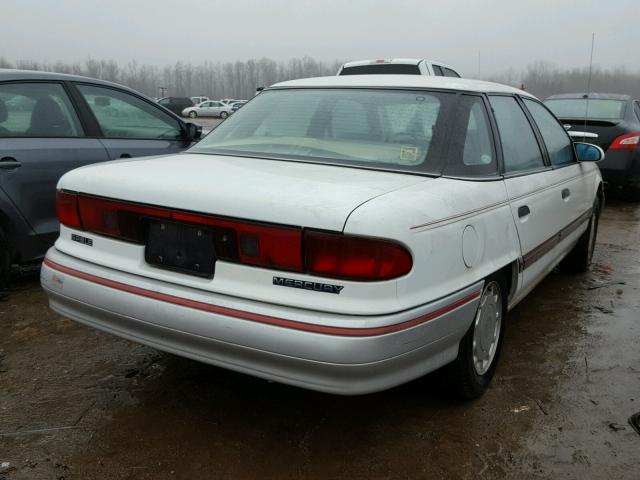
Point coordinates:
[(596, 109), (384, 129), (382, 68)]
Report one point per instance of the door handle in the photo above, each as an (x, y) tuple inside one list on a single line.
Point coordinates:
[(9, 163), (523, 211), (566, 193), (125, 155)]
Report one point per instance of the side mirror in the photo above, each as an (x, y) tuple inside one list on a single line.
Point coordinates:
[(193, 131), (587, 152)]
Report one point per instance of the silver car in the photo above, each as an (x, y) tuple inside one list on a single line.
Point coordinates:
[(211, 108)]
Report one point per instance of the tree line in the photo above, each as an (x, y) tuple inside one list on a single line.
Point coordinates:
[(544, 79), (241, 78), (213, 79)]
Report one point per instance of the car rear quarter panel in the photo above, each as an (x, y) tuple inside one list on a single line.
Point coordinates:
[(432, 219)]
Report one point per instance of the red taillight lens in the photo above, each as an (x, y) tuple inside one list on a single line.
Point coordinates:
[(629, 141), (256, 244), (247, 242), (116, 219), (353, 257), (67, 209), (324, 254)]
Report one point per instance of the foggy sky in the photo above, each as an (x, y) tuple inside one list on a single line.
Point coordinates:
[(507, 33)]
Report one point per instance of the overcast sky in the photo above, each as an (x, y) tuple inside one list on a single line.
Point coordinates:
[(507, 33)]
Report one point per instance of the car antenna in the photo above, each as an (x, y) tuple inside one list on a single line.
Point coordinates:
[(586, 112)]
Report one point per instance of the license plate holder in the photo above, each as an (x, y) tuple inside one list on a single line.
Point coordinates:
[(180, 247)]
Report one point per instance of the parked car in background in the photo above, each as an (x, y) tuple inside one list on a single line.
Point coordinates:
[(343, 234), (176, 104), (237, 106), (210, 108), (611, 121), (198, 100), (51, 123), (398, 66)]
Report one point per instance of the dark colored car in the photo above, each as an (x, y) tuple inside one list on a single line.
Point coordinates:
[(237, 106), (52, 123), (613, 123), (176, 104)]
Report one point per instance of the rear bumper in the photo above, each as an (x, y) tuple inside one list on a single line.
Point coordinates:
[(621, 168), (264, 340)]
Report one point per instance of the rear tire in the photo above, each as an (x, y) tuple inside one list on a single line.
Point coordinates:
[(223, 115), (579, 259), (193, 114), (470, 374)]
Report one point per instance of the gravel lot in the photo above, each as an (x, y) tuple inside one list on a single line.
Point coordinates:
[(79, 404)]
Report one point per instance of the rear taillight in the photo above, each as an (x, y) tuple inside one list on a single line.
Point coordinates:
[(67, 209), (354, 257), (319, 253), (257, 244), (630, 141)]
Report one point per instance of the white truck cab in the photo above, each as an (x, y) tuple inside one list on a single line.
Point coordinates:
[(398, 66)]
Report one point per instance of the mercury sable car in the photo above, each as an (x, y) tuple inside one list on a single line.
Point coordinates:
[(343, 234)]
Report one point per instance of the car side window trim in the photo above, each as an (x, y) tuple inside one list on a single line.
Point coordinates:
[(75, 108), (542, 147), (100, 133), (541, 138), (493, 176)]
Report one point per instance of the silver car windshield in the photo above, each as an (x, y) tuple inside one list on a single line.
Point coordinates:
[(388, 129)]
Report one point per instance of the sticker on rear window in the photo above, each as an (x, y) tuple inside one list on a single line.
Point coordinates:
[(408, 154)]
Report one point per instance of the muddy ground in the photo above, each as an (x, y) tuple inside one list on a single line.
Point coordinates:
[(79, 404)]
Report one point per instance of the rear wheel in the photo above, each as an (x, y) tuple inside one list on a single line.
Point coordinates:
[(193, 114), (471, 373), (224, 115), (580, 258)]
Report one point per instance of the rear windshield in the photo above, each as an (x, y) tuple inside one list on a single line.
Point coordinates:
[(382, 68), (596, 109), (384, 129)]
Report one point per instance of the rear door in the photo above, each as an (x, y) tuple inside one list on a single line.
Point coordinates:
[(130, 126), (532, 188), (576, 181), (41, 138)]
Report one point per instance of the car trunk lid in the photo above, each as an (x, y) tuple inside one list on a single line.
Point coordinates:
[(606, 130), (272, 191)]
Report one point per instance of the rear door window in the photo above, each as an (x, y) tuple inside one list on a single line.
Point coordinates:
[(520, 148), (437, 71), (555, 137), (37, 110), (122, 115)]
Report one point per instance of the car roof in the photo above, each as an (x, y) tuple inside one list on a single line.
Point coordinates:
[(402, 81), (9, 74), (592, 96)]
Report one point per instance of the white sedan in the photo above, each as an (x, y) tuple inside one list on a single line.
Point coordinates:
[(210, 108), (343, 234)]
